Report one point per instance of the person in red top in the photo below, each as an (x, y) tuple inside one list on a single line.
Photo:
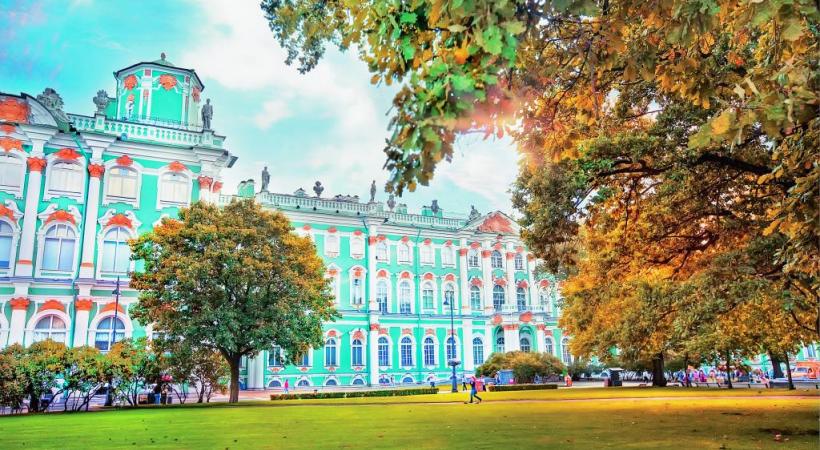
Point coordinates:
[(473, 391)]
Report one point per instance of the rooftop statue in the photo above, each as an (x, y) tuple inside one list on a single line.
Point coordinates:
[(265, 179), (318, 188), (207, 114), (434, 207), (391, 202), (474, 214), (300, 193), (54, 103), (373, 191), (101, 101)]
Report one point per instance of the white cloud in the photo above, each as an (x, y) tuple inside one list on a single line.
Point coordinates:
[(272, 111)]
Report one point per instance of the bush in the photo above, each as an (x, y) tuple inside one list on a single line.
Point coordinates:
[(523, 387), (353, 394), (525, 365)]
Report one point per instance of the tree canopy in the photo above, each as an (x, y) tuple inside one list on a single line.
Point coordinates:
[(235, 279)]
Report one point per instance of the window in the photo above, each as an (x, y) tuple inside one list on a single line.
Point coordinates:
[(478, 352), (548, 345), (357, 247), (275, 356), (544, 299), (6, 237), (408, 380), (404, 252), (275, 384), (122, 183), (330, 352), (334, 287), (498, 297), (109, 330), (116, 256), (810, 352), (451, 349), (429, 352), (303, 383), (426, 254), (331, 245), (449, 296), (521, 298), (473, 258), (447, 256), (405, 297), (384, 352), (519, 261), (358, 296), (499, 343), (565, 355), (304, 361), (331, 382), (427, 295), (66, 178), (174, 188), (50, 327), (381, 295), (58, 251), (358, 382), (475, 298), (406, 350), (11, 172), (496, 261), (382, 253), (357, 358), (524, 343)]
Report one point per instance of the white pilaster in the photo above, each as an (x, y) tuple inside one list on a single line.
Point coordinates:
[(467, 345), (373, 342), (534, 299), (509, 264), (19, 307), (464, 286), (95, 172), (487, 275), (372, 241), (511, 342), (539, 338)]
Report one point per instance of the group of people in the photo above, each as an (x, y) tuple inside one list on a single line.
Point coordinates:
[(689, 376)]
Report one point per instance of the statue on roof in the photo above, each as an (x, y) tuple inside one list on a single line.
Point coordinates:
[(207, 114), (474, 214), (391, 202), (54, 103), (434, 207), (373, 191), (318, 188), (265, 179), (101, 101)]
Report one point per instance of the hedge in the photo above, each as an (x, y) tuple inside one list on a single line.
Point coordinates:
[(352, 394), (523, 387)]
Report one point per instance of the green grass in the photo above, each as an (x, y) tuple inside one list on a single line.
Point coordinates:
[(639, 422)]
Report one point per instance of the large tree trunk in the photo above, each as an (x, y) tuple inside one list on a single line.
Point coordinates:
[(34, 402), (777, 371), (234, 389), (658, 375), (789, 372), (728, 370)]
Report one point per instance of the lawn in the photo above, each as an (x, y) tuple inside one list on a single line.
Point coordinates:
[(686, 421)]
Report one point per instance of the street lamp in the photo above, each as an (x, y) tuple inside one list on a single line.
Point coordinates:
[(109, 399), (453, 362)]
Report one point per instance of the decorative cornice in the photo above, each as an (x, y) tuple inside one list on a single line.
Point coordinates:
[(110, 307), (51, 305), (19, 303), (124, 160), (8, 144), (36, 164), (96, 170), (83, 304), (67, 154), (177, 166), (14, 110), (205, 182)]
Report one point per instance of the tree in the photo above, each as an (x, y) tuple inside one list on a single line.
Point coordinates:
[(236, 280), (40, 368), (135, 365), (193, 365), (12, 386), (86, 371), (526, 366)]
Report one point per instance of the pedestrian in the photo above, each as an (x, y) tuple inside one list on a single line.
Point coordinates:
[(464, 384), (473, 391), (287, 386)]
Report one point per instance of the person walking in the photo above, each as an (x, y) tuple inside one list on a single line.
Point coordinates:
[(287, 385), (473, 391)]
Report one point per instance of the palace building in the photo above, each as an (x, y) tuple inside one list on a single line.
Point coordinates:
[(74, 188)]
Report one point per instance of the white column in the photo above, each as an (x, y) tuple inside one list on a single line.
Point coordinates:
[(489, 341), (534, 300), (511, 337), (82, 310), (373, 342), (464, 285), (205, 188), (256, 372), (95, 173), (487, 280), (24, 266), (372, 240), (539, 337), (509, 264), (19, 307), (467, 345)]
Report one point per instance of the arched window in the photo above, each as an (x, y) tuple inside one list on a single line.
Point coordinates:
[(65, 178), (499, 343), (519, 261), (429, 352), (334, 286), (426, 254), (122, 183), (404, 252), (521, 298), (330, 352), (405, 297), (809, 351), (498, 297), (427, 295), (331, 382), (358, 382), (475, 298), (408, 380), (450, 296), (381, 295), (174, 188), (275, 356), (524, 343), (447, 256), (6, 238), (544, 299), (304, 360), (473, 258), (303, 383), (116, 254), (11, 172), (478, 352), (384, 352), (382, 252), (356, 356), (356, 246), (549, 347), (58, 251), (50, 327), (109, 330), (452, 352), (332, 245), (358, 291), (496, 260), (275, 384), (406, 350), (565, 355)]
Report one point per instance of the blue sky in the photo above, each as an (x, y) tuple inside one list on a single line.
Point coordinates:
[(328, 125)]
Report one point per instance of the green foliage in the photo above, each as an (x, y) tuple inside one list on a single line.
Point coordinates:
[(525, 365), (134, 365), (234, 279), (12, 384), (355, 394), (192, 366), (39, 368), (523, 387)]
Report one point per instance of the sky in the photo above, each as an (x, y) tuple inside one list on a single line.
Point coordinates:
[(328, 125)]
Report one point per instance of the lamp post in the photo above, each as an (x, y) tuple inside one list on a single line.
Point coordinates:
[(453, 362), (109, 399)]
